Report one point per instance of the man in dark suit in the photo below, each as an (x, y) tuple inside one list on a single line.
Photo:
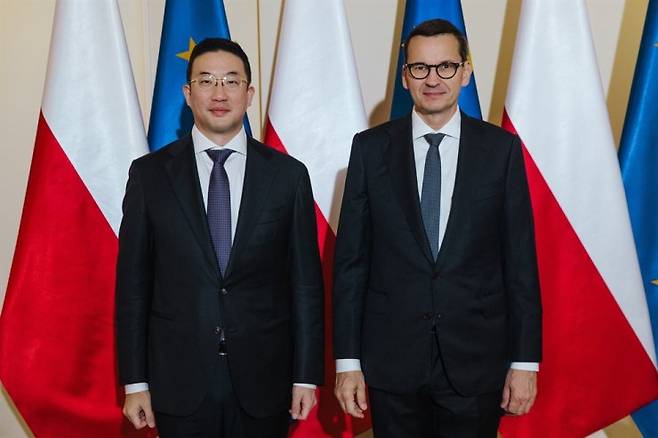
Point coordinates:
[(436, 297), (219, 289)]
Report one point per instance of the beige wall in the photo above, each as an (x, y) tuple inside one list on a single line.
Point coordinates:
[(25, 27)]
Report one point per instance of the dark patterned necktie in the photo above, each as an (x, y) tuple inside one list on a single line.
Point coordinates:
[(219, 207), (430, 200)]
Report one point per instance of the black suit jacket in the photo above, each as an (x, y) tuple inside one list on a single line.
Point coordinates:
[(481, 294), (169, 288)]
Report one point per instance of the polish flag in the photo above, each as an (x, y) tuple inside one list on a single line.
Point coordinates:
[(315, 110), (57, 345), (599, 362)]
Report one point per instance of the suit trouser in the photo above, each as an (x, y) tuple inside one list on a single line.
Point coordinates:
[(221, 416), (435, 411)]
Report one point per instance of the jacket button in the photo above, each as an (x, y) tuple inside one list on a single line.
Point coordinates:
[(224, 291)]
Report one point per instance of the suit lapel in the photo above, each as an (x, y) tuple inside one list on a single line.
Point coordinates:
[(258, 176), (470, 163), (402, 167), (183, 174)]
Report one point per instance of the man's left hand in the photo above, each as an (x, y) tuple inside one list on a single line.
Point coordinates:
[(303, 400), (519, 391)]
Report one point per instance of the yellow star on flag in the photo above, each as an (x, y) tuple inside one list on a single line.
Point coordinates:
[(186, 55)]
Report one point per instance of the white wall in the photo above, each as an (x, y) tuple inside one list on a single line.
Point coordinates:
[(25, 27)]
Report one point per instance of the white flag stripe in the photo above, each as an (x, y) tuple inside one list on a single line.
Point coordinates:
[(90, 104), (556, 103), (316, 105)]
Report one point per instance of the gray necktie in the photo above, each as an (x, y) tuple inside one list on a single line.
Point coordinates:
[(219, 207), (430, 200)]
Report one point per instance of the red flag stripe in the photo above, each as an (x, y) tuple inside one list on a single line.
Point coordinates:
[(57, 361), (582, 387)]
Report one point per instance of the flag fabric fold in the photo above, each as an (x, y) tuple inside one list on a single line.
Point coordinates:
[(314, 111), (417, 11), (185, 23), (638, 157), (599, 359), (57, 349)]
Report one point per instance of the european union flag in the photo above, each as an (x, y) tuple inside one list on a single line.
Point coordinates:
[(185, 23), (638, 157), (415, 13)]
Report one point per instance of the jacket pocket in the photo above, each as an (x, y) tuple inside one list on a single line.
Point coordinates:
[(493, 304), (155, 313), (271, 215), (489, 190)]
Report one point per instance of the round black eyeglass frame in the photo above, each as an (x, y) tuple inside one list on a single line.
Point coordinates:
[(454, 65)]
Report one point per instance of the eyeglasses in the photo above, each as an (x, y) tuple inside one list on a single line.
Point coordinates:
[(445, 70), (229, 82)]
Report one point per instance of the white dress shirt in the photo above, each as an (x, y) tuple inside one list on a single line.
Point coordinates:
[(449, 151), (235, 166)]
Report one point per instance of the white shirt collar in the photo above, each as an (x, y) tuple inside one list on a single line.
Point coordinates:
[(201, 142), (452, 129)]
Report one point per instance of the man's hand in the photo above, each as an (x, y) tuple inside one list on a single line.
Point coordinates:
[(303, 400), (519, 391), (137, 408), (351, 393)]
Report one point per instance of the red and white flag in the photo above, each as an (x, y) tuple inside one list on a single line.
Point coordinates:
[(315, 110), (599, 362), (57, 347)]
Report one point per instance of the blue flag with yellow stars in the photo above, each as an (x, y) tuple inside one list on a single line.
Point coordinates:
[(185, 23), (417, 11), (638, 155)]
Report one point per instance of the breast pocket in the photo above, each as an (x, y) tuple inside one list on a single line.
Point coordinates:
[(486, 211), (268, 215), (489, 191), (263, 233), (267, 226)]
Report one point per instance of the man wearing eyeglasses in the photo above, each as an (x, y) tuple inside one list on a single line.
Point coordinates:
[(219, 302), (436, 296)]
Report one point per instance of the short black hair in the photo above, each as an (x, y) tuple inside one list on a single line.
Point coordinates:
[(218, 45), (437, 26)]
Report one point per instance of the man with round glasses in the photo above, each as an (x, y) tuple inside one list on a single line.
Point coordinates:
[(219, 299), (436, 294)]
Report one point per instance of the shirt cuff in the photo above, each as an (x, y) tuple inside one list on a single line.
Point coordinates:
[(305, 385), (345, 365), (136, 387), (525, 366)]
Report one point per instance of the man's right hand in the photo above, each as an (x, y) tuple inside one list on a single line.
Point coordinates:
[(351, 393), (137, 408)]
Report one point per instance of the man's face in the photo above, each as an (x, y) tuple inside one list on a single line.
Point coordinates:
[(218, 112), (434, 96)]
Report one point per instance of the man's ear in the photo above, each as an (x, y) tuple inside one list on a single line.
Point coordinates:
[(467, 71), (187, 91), (250, 94), (403, 75)]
